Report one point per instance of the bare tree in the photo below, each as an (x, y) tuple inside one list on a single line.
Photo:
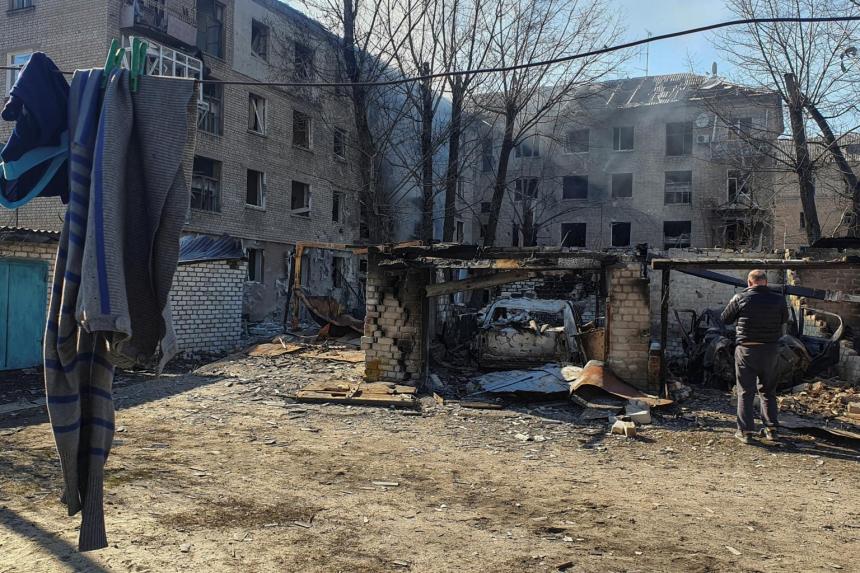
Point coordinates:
[(526, 31), (802, 63)]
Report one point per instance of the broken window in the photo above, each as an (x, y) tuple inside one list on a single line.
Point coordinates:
[(301, 130), (460, 232), (622, 138), (679, 138), (622, 185), (802, 220), (303, 61), (256, 113), (255, 265), (676, 234), (576, 141), (260, 39), (575, 187), (255, 191), (736, 183), (206, 184), (525, 187), (678, 187), (337, 266), (486, 206), (336, 206), (487, 154), (339, 143), (620, 234), (300, 199), (740, 128), (210, 27), (573, 234), (209, 115), (529, 147)]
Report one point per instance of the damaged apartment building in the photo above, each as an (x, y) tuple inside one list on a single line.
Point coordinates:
[(273, 167), (673, 161)]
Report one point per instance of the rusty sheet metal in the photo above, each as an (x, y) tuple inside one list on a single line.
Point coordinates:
[(596, 376), (327, 310)]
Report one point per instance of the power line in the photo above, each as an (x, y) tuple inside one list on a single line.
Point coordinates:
[(560, 60)]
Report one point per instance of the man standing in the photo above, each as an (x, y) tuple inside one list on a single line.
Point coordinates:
[(760, 314)]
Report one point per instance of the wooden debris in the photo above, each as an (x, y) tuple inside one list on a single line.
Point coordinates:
[(272, 350), (359, 393)]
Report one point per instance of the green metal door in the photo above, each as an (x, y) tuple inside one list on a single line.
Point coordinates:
[(23, 288)]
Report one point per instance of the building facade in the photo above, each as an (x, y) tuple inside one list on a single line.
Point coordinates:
[(672, 161), (273, 166)]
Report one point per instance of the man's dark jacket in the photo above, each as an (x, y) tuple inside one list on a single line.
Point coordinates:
[(760, 314)]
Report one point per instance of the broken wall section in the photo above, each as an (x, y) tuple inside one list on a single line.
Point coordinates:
[(394, 339), (581, 288), (628, 309)]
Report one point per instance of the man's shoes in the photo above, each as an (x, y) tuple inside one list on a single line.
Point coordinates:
[(743, 437), (770, 433)]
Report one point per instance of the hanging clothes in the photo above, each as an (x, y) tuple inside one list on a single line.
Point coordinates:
[(130, 166), (34, 161)]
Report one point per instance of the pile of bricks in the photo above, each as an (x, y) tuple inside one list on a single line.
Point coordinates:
[(393, 324)]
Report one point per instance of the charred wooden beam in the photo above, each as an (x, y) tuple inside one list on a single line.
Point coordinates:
[(473, 283)]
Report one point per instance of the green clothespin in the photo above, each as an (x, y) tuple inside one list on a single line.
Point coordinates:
[(139, 49), (113, 61)]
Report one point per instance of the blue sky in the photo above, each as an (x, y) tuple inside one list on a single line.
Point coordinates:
[(663, 16)]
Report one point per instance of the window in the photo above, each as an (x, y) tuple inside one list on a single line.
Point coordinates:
[(210, 27), (622, 138), (486, 206), (303, 61), (529, 147), (740, 127), (802, 220), (336, 206), (255, 191), (487, 155), (255, 265), (678, 187), (339, 143), (526, 187), (300, 199), (679, 138), (18, 59), (736, 185), (622, 185), (573, 234), (620, 234), (515, 236), (576, 141), (210, 115), (575, 187), (260, 39), (301, 130), (676, 234), (206, 184), (460, 232), (337, 265), (257, 114), (20, 4), (164, 61)]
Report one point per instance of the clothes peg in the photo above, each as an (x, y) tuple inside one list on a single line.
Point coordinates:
[(113, 61), (139, 49)]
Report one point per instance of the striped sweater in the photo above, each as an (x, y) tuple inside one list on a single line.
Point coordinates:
[(123, 222)]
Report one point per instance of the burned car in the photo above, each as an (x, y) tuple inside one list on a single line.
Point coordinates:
[(517, 332)]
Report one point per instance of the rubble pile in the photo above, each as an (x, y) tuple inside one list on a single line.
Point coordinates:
[(822, 398)]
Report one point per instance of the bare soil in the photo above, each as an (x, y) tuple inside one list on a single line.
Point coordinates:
[(216, 470)]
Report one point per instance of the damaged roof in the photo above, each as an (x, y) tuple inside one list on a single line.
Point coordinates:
[(28, 235), (670, 88)]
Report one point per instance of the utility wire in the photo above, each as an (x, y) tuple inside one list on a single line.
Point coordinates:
[(604, 50)]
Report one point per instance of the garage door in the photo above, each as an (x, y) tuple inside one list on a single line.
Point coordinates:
[(23, 287)]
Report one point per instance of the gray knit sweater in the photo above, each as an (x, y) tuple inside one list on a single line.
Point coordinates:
[(129, 169)]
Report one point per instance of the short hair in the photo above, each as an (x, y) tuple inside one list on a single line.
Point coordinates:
[(757, 276)]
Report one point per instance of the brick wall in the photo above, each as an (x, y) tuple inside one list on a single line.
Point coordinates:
[(629, 324), (393, 326), (559, 286), (207, 306)]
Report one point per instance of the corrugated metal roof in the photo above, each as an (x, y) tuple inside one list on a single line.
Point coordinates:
[(200, 248), (29, 235), (670, 88)]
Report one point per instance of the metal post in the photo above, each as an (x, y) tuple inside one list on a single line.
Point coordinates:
[(664, 329)]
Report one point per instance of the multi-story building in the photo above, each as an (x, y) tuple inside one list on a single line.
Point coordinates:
[(672, 161), (273, 166)]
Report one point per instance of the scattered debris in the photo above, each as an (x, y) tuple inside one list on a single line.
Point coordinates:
[(638, 411), (364, 393), (596, 379), (273, 349), (732, 550), (624, 427)]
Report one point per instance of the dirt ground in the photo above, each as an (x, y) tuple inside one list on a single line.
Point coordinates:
[(216, 470)]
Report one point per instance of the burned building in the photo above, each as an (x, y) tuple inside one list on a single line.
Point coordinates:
[(673, 161)]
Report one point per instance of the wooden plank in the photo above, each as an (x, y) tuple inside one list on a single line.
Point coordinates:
[(497, 264), (678, 264), (473, 283)]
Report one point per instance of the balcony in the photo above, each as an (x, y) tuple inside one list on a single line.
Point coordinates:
[(168, 21)]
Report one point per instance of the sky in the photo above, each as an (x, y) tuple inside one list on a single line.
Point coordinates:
[(639, 17)]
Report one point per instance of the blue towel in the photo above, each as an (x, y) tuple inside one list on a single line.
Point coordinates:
[(34, 160)]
